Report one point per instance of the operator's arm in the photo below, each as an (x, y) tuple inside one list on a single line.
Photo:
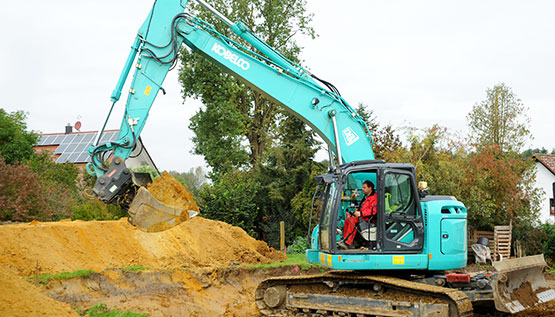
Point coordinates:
[(369, 206)]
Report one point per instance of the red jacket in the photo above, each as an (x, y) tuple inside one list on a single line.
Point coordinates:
[(369, 206)]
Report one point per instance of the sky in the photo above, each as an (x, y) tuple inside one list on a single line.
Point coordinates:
[(414, 63)]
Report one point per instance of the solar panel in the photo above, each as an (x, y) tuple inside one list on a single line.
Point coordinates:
[(68, 139), (72, 148), (41, 140), (60, 149), (63, 158)]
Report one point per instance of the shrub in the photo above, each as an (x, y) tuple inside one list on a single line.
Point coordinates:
[(549, 242), (299, 245)]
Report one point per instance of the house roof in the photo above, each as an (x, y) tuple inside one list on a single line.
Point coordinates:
[(547, 160)]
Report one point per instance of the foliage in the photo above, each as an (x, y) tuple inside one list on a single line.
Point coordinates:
[(297, 259), (232, 199), (22, 196), (286, 178), (16, 143), (136, 268), (102, 310), (300, 245), (385, 139), (496, 188), (528, 153), (147, 169), (500, 189), (238, 123), (45, 278), (42, 194), (549, 240), (93, 209), (500, 120), (193, 180)]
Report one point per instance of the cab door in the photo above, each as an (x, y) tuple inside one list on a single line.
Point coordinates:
[(402, 228)]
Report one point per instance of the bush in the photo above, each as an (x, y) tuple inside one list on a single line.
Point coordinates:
[(549, 242), (21, 195), (94, 209), (232, 199), (299, 245)]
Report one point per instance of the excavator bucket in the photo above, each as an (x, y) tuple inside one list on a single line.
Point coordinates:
[(165, 204), (519, 284)]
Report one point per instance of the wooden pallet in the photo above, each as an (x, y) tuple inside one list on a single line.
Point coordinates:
[(502, 237)]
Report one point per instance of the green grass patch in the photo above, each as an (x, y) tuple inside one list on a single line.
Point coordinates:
[(298, 259), (552, 271), (136, 268), (45, 278), (101, 310)]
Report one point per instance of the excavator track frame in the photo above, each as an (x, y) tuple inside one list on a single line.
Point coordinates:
[(277, 297)]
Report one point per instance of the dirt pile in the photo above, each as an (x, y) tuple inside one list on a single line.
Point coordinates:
[(170, 192), (20, 298), (73, 245)]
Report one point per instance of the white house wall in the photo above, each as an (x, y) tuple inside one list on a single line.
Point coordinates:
[(544, 180)]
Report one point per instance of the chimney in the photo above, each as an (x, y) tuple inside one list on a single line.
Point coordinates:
[(69, 128)]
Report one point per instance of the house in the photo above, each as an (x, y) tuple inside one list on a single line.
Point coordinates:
[(545, 180), (71, 147)]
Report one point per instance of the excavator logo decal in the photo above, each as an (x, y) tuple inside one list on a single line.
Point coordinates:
[(225, 53), (350, 136)]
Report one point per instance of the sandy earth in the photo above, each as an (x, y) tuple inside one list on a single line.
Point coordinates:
[(179, 292), (55, 247), (19, 298)]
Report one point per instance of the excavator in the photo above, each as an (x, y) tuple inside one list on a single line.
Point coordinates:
[(407, 262)]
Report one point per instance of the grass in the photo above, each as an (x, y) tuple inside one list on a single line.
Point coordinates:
[(45, 278), (136, 268), (101, 310), (552, 271), (298, 259)]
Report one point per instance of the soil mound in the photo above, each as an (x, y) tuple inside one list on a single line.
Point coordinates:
[(54, 247), (20, 298), (170, 192)]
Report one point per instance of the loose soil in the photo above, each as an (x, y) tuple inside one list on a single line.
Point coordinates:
[(544, 309), (178, 292), (170, 192), (54, 247), (19, 298)]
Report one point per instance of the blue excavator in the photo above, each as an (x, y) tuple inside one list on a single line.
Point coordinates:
[(406, 262)]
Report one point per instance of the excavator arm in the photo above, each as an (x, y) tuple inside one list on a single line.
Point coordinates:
[(155, 51)]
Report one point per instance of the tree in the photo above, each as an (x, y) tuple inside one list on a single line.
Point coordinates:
[(193, 180), (16, 143), (233, 199), (238, 123), (385, 139), (500, 120), (284, 175)]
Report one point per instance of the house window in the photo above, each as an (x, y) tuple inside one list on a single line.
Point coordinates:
[(552, 206)]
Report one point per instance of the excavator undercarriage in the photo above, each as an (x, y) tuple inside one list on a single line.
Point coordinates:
[(516, 285), (350, 293)]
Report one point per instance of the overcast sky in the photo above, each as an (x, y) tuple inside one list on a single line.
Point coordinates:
[(415, 63)]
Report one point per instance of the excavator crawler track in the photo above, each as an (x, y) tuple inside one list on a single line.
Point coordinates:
[(350, 293)]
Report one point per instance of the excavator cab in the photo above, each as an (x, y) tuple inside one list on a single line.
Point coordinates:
[(397, 225)]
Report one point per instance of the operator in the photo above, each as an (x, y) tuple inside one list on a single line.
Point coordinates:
[(368, 210)]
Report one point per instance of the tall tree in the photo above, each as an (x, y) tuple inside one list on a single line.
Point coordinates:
[(16, 143), (386, 140), (239, 123), (500, 120)]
